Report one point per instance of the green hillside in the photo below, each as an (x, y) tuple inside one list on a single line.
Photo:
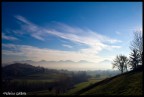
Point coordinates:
[(129, 83), (81, 85), (38, 80), (41, 81)]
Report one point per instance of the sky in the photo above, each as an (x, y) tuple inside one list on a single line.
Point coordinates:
[(93, 32)]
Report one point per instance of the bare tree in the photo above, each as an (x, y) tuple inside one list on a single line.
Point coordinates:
[(120, 62), (137, 44), (134, 59)]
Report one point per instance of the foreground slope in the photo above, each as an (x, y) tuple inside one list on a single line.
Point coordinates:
[(129, 83)]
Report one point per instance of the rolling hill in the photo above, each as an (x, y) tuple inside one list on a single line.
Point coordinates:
[(31, 79), (18, 69), (129, 83), (41, 81)]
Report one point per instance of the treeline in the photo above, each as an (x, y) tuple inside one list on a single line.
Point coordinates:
[(102, 73), (134, 60), (17, 78), (15, 70)]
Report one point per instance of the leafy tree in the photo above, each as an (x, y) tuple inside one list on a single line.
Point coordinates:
[(120, 62)]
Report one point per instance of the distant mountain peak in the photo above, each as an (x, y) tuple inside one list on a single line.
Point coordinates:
[(43, 61), (66, 61), (83, 61)]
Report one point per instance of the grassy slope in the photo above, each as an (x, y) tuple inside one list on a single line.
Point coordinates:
[(42, 93), (126, 84), (82, 85), (76, 88)]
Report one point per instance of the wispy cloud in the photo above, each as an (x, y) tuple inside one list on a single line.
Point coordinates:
[(137, 29), (68, 46), (38, 54), (18, 32), (94, 41), (27, 52), (68, 29), (6, 37), (74, 34), (118, 33), (34, 30)]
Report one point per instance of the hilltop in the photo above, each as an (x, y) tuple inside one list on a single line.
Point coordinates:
[(129, 83)]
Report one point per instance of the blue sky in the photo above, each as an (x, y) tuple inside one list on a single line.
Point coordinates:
[(53, 31)]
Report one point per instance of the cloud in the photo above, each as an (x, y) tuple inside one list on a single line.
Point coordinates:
[(138, 29), (74, 34), (68, 46), (67, 28), (94, 41), (37, 36), (24, 20), (18, 32), (101, 38), (37, 54), (118, 33), (6, 37), (34, 30)]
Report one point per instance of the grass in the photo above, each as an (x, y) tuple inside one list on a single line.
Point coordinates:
[(76, 88), (129, 84), (31, 81), (82, 85), (45, 76), (44, 92)]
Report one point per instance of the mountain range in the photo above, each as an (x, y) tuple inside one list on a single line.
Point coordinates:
[(68, 64)]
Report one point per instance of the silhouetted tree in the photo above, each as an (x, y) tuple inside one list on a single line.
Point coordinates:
[(120, 62), (137, 45), (134, 59)]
